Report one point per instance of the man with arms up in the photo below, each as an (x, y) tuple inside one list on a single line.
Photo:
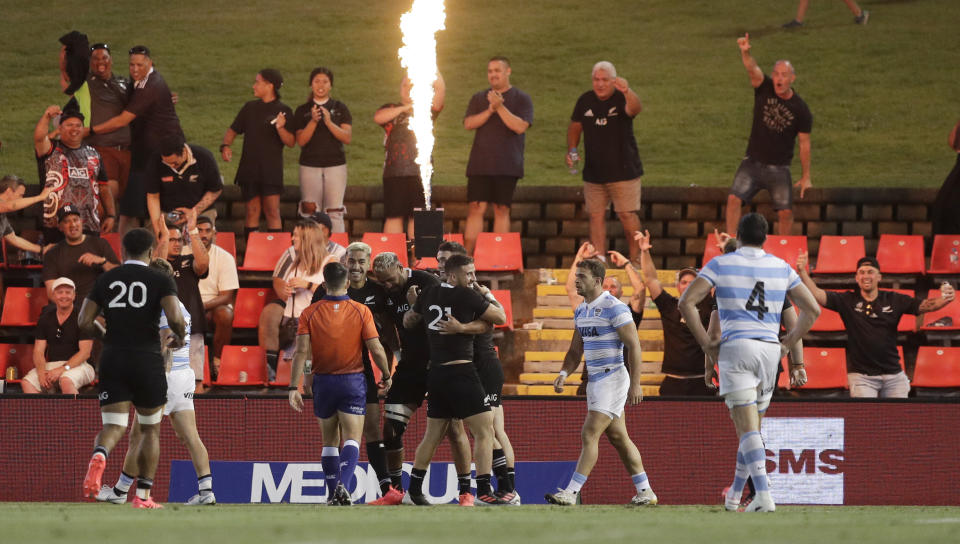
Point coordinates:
[(334, 331), (603, 329), (131, 298), (184, 177), (751, 287), (780, 118)]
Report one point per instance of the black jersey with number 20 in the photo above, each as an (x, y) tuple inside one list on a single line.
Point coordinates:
[(434, 305), (129, 297)]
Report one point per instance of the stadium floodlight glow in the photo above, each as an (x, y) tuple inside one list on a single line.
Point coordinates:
[(419, 56)]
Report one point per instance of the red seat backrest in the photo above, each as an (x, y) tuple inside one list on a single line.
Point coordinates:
[(901, 254), (22, 306), (826, 368), (786, 247), (264, 249), (945, 255), (498, 252), (249, 359), (839, 254), (395, 242), (503, 297), (249, 304), (937, 366)]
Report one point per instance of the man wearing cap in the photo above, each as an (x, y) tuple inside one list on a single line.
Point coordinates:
[(78, 256), (870, 317), (60, 351), (183, 177), (75, 174), (682, 355), (262, 123), (326, 225), (108, 95)]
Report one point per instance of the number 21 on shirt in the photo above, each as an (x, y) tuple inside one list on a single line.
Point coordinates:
[(432, 325)]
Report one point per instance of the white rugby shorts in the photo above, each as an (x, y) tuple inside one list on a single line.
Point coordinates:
[(607, 392), (745, 363), (180, 386)]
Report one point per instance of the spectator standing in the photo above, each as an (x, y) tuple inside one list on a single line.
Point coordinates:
[(500, 115), (80, 257), (870, 317), (60, 351), (612, 167), (944, 213), (402, 186), (780, 118), (151, 116), (322, 125), (263, 124), (184, 177), (860, 16), (218, 289), (75, 174), (109, 94)]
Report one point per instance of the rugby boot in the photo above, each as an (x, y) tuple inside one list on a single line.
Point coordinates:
[(92, 481)]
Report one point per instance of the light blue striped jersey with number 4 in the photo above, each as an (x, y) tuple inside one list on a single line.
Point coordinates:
[(597, 323), (751, 287), (181, 356)]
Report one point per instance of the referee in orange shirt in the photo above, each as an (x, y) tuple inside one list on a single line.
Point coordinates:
[(334, 330)]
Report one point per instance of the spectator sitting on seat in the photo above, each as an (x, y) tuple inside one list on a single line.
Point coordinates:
[(60, 351), (184, 177), (218, 290), (297, 275), (78, 256), (870, 317), (326, 225)]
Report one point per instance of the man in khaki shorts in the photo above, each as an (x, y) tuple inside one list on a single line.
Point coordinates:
[(612, 167)]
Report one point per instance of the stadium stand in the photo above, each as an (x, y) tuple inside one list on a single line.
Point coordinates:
[(264, 250), (901, 258), (945, 255), (19, 356), (22, 306), (228, 241), (249, 303), (839, 255), (937, 367), (395, 242), (237, 359), (786, 247)]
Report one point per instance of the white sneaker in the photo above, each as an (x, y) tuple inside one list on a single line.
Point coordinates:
[(107, 494), (410, 500), (200, 500), (758, 504), (515, 500), (644, 498), (562, 497)]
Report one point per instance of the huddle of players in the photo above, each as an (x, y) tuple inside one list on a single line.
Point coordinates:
[(447, 356)]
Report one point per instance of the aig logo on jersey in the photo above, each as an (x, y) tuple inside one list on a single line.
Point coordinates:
[(805, 458), (77, 172)]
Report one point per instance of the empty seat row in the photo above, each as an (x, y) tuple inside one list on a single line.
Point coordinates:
[(826, 368)]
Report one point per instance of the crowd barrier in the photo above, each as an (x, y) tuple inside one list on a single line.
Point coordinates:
[(851, 452)]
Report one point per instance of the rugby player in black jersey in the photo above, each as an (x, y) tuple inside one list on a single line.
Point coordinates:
[(452, 313), (131, 297)]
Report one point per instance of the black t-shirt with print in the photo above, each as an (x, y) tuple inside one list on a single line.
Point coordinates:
[(262, 158), (184, 187), (323, 150), (872, 328), (188, 289), (413, 342), (610, 148), (434, 305), (776, 123), (129, 297)]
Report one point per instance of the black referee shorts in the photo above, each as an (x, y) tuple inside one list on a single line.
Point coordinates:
[(132, 375), (455, 392), (409, 384), (491, 377)]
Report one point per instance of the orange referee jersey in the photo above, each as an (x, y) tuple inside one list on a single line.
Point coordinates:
[(338, 328)]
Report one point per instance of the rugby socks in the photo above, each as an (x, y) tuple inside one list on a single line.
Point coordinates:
[(205, 484), (511, 475), (123, 484), (377, 456), (330, 461), (483, 485), (144, 485), (740, 477), (348, 461), (463, 482), (640, 482), (101, 451), (396, 478), (576, 482), (416, 481), (755, 458), (500, 471)]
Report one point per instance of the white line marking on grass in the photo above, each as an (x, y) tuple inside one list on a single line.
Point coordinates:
[(939, 520)]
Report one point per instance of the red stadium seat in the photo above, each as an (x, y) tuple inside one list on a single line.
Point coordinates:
[(944, 319), (786, 247), (263, 251), (826, 368), (228, 241), (11, 260), (115, 241), (22, 306), (206, 366), (498, 252), (395, 242), (945, 256), (249, 304), (16, 355), (908, 322), (340, 238), (828, 321), (503, 297), (937, 367), (283, 373), (710, 250), (839, 254), (901, 254), (236, 359)]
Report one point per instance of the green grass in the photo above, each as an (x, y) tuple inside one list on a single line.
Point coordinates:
[(281, 524), (883, 96)]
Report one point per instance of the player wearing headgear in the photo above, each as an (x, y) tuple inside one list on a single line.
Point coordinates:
[(751, 286), (131, 298), (603, 327)]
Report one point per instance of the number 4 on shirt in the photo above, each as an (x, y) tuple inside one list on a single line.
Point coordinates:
[(756, 301)]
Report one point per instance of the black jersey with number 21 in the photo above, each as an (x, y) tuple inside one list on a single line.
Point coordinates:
[(129, 297), (465, 305)]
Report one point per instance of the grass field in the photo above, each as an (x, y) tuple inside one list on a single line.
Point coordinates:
[(282, 524), (883, 96)]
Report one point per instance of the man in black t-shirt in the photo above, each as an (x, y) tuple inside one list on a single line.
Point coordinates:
[(500, 115), (80, 257), (612, 167), (131, 298), (183, 177), (780, 118), (263, 124), (453, 313), (870, 317)]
